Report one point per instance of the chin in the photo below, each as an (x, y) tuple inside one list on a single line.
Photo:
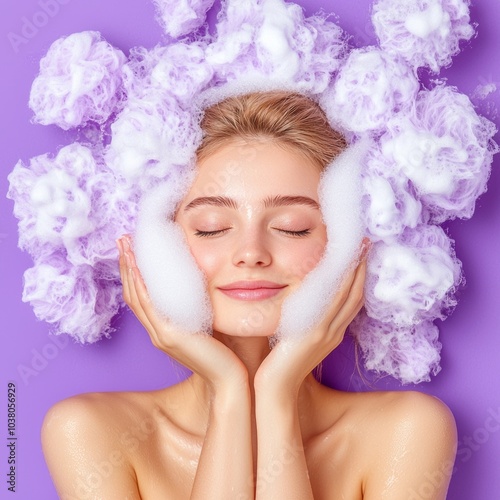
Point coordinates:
[(255, 321)]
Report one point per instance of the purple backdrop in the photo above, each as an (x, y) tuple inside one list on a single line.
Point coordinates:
[(47, 369)]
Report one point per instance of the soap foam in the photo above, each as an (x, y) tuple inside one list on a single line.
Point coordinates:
[(429, 160), (174, 282), (340, 201)]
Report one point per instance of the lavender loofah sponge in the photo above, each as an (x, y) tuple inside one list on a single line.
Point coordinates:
[(79, 81), (424, 32), (428, 161)]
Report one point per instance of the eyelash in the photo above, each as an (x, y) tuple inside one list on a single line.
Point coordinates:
[(304, 232), (298, 234), (205, 234)]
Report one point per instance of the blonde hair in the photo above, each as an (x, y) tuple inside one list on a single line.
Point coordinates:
[(290, 119)]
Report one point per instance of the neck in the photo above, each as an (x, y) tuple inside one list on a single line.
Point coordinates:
[(252, 351)]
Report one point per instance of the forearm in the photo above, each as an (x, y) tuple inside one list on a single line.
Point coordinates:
[(282, 469), (225, 468)]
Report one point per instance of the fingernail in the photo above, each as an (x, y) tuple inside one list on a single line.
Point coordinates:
[(367, 244)]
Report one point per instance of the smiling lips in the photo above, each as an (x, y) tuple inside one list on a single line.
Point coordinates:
[(252, 290)]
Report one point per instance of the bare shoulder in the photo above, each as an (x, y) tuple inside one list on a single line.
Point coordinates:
[(84, 443), (393, 445), (405, 408), (410, 442), (101, 414), (412, 417)]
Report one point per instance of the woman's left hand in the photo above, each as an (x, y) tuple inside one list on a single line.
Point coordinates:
[(290, 361)]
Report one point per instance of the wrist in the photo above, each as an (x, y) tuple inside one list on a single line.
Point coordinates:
[(230, 389), (228, 379), (277, 395), (276, 387), (230, 403)]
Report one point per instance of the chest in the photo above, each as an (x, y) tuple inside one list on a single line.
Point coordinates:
[(335, 467), (165, 465), (167, 471)]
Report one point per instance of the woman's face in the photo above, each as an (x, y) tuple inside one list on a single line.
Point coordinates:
[(253, 224)]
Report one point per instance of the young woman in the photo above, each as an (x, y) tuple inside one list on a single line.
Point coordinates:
[(252, 422)]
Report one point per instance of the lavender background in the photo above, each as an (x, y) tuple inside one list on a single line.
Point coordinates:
[(47, 370)]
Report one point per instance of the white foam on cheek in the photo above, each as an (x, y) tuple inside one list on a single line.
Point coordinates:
[(175, 284), (340, 200)]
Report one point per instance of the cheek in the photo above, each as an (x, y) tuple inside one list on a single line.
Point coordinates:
[(207, 259), (302, 258)]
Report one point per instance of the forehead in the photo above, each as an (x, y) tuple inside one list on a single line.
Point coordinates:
[(256, 169)]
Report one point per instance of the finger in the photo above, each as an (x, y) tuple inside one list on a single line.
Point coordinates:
[(131, 277), (123, 271), (137, 301), (138, 289), (353, 304), (348, 281), (339, 299)]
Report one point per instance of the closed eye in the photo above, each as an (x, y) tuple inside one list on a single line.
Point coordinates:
[(205, 234), (304, 232)]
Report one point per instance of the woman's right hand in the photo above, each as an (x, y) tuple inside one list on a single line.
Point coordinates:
[(200, 353)]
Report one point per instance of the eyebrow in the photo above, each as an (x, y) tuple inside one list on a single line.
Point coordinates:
[(269, 202)]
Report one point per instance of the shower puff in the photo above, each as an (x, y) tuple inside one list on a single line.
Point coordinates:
[(389, 202), (371, 87), (409, 354), (70, 210), (79, 81), (54, 200), (429, 159), (78, 299), (146, 145), (259, 40), (180, 17), (156, 128), (445, 149), (413, 279), (179, 70), (424, 32)]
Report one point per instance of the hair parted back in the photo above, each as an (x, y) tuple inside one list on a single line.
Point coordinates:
[(289, 118)]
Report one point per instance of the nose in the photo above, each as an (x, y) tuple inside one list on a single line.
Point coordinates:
[(252, 249)]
